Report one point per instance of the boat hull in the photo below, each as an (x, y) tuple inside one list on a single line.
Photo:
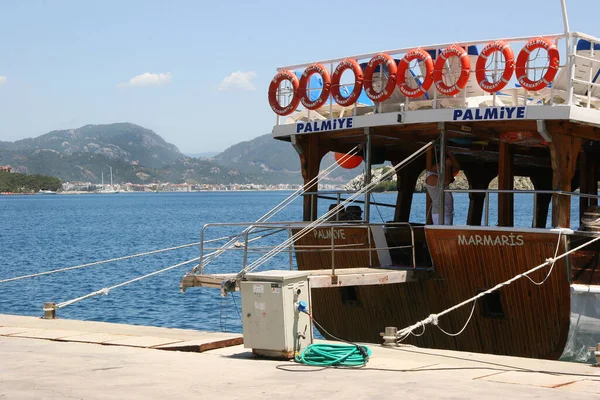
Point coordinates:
[(522, 319)]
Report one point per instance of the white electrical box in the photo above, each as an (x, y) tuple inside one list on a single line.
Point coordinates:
[(273, 326)]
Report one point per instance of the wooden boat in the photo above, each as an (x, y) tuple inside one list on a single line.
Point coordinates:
[(550, 135)]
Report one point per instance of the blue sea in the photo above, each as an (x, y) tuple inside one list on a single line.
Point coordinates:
[(41, 233)]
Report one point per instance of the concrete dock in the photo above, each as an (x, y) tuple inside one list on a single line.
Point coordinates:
[(65, 359)]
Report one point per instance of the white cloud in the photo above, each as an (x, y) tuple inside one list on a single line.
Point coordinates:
[(238, 80), (2, 80), (148, 79)]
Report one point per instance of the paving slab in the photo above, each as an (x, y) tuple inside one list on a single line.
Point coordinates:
[(142, 341), (51, 334), (584, 386), (534, 379), (8, 330), (200, 346), (97, 338)]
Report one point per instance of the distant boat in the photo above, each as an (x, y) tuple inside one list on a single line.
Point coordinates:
[(46, 192), (111, 188)]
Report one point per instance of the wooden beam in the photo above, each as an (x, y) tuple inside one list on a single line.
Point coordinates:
[(310, 162), (505, 182), (407, 180), (542, 180), (564, 149), (479, 175)]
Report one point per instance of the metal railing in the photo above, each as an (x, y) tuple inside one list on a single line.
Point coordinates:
[(535, 194), (576, 83), (254, 232)]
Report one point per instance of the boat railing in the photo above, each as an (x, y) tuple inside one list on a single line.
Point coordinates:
[(577, 81), (535, 194), (249, 240)]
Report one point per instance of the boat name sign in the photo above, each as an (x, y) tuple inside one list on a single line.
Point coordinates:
[(491, 240), (326, 234), (325, 125), (491, 113)]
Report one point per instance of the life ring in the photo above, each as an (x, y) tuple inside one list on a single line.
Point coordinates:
[(273, 89), (553, 55), (415, 54), (438, 72), (523, 138), (349, 162), (380, 59), (305, 96), (509, 66), (337, 76)]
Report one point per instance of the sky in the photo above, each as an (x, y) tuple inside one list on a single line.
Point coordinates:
[(197, 72)]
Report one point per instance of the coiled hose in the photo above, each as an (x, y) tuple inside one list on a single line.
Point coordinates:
[(338, 355)]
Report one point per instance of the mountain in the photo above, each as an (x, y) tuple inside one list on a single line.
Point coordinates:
[(136, 154), (208, 154), (276, 161), (121, 141)]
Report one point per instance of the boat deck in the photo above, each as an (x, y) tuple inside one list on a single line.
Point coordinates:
[(322, 278), (45, 366)]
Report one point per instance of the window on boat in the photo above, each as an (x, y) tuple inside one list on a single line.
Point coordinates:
[(491, 305)]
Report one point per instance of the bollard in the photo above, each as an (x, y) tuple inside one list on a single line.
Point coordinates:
[(389, 336), (49, 311)]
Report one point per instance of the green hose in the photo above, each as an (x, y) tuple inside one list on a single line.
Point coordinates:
[(342, 355)]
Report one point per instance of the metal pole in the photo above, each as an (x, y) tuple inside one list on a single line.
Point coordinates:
[(487, 208), (442, 174), (570, 53), (534, 223), (367, 216)]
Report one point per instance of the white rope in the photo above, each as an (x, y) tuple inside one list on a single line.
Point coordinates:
[(207, 260), (551, 264), (101, 262), (303, 232), (106, 290), (434, 317)]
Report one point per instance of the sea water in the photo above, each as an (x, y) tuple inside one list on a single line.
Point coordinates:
[(41, 233)]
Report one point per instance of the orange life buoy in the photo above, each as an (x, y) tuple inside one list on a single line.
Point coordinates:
[(305, 96), (423, 56), (273, 89), (337, 76), (349, 162), (438, 72), (380, 59), (509, 66), (524, 138), (553, 55)]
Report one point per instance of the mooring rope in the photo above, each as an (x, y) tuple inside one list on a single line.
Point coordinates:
[(434, 318), (106, 290), (304, 231), (54, 271), (207, 260)]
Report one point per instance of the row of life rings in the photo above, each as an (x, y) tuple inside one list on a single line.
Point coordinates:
[(396, 75)]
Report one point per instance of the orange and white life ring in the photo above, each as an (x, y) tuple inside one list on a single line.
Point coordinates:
[(273, 93), (438, 72), (524, 138), (553, 55), (509, 66), (305, 96), (377, 60), (337, 76), (423, 56)]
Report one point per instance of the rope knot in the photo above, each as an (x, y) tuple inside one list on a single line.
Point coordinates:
[(433, 318), (104, 291), (550, 260)]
